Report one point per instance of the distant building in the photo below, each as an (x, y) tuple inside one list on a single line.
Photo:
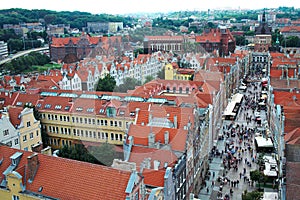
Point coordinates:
[(290, 31), (218, 40), (73, 49), (163, 43), (3, 50), (57, 29), (101, 27), (263, 37)]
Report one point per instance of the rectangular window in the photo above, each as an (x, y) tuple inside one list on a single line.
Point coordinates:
[(102, 122), (6, 132), (121, 137), (37, 132), (16, 141), (86, 134), (112, 136), (116, 123), (117, 137), (28, 124), (111, 123), (24, 138), (105, 122), (85, 120), (120, 124), (31, 135)]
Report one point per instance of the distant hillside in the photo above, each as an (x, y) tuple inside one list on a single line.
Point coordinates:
[(76, 19)]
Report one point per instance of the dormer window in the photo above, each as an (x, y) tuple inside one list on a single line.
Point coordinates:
[(90, 110), (79, 109), (19, 103), (58, 107), (48, 106)]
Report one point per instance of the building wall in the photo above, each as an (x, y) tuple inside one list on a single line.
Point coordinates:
[(169, 72), (14, 189), (3, 50), (8, 133), (29, 129), (69, 128)]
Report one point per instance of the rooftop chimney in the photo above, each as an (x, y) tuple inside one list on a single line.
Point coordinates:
[(166, 137), (32, 163), (151, 139), (175, 121)]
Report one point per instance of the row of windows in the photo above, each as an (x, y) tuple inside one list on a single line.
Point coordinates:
[(86, 133), (16, 142), (30, 136), (187, 89), (81, 120)]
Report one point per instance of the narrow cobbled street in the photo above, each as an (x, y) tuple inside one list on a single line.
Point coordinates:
[(234, 155)]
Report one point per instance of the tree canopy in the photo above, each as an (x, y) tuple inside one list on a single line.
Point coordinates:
[(129, 84), (107, 84)]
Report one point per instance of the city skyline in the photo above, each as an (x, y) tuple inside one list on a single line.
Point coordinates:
[(135, 6)]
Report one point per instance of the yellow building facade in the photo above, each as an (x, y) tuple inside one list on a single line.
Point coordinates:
[(29, 129), (73, 123), (14, 188), (172, 73)]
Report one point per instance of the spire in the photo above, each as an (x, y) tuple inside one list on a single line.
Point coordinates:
[(264, 17)]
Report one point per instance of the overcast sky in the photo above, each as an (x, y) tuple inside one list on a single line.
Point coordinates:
[(134, 6)]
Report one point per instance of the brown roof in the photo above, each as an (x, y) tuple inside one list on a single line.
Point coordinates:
[(293, 137), (69, 179), (292, 180)]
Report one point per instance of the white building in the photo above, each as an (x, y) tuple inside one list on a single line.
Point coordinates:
[(3, 50), (8, 134)]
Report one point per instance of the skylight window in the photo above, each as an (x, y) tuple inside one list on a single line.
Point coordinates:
[(79, 109), (90, 110), (101, 111), (58, 107), (19, 103), (67, 108)]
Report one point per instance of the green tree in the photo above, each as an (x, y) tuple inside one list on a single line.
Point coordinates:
[(107, 84), (104, 153), (256, 175), (148, 79), (161, 73), (255, 195), (129, 84), (240, 40)]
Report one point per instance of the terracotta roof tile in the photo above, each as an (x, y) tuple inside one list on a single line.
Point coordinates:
[(69, 179)]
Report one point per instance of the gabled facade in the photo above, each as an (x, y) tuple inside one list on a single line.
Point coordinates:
[(8, 133), (29, 129)]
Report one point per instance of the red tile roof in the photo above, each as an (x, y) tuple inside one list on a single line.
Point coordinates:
[(138, 154), (69, 179), (14, 113), (290, 29), (177, 137), (293, 137), (154, 177)]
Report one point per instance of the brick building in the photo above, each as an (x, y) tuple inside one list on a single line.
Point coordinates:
[(72, 49), (217, 40)]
